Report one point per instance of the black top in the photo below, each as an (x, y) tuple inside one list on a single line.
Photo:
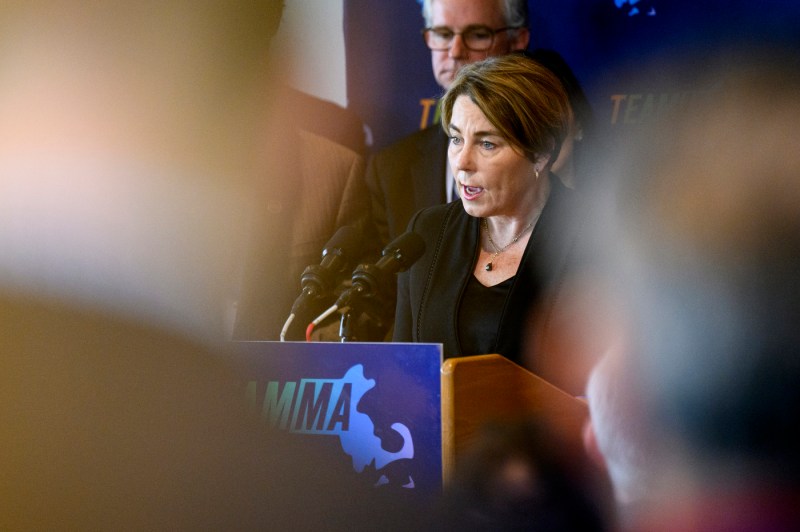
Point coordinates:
[(479, 315), (430, 293)]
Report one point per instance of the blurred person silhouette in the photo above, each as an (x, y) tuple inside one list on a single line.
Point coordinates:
[(412, 173), (322, 189), (698, 233), (312, 184), (516, 475), (326, 119), (617, 437), (128, 162), (483, 266)]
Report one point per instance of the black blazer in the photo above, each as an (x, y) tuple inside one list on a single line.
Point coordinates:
[(406, 177), (429, 293)]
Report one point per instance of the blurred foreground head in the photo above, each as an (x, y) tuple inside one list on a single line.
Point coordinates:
[(518, 475), (127, 148), (699, 232), (126, 155)]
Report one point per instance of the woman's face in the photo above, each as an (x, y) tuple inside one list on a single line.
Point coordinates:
[(493, 178)]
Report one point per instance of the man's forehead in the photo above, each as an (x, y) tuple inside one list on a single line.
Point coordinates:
[(462, 13)]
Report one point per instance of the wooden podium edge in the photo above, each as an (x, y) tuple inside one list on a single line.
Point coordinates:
[(531, 395)]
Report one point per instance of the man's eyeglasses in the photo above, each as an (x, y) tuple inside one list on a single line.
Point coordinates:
[(475, 38)]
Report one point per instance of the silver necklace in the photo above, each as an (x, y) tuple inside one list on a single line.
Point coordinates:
[(497, 250)]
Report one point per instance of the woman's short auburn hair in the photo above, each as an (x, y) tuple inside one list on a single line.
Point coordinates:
[(521, 98)]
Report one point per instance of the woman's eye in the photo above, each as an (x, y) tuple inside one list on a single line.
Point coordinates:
[(486, 145), (455, 141)]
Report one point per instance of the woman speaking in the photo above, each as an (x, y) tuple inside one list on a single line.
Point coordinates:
[(490, 256)]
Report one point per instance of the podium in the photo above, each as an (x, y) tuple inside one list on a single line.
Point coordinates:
[(480, 389), (394, 413)]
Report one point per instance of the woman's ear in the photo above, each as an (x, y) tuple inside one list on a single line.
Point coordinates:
[(542, 163)]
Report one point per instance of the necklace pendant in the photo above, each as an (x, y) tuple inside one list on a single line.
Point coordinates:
[(488, 266)]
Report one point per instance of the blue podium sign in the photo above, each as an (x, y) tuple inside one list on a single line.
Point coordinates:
[(378, 404)]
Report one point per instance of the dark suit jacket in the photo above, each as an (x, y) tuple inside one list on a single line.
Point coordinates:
[(429, 293), (326, 119), (300, 214), (406, 177)]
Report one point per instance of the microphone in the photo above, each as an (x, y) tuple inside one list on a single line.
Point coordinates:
[(372, 280), (319, 280)]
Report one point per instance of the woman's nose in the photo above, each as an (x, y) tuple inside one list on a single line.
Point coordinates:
[(463, 160)]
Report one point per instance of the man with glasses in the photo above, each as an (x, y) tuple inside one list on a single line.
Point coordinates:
[(412, 173)]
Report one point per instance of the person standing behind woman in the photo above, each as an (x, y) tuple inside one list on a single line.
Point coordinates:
[(489, 256)]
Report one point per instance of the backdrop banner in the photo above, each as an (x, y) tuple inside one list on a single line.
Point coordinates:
[(611, 45)]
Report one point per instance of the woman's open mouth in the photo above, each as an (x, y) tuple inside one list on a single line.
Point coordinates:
[(470, 193)]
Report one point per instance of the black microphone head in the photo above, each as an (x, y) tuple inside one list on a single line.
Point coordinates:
[(405, 249), (374, 280), (320, 280), (346, 241)]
